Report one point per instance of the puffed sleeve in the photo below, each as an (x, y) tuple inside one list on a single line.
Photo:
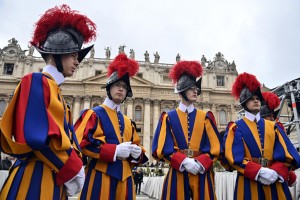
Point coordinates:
[(136, 140), (235, 153), (37, 121), (211, 146), (91, 137), (163, 144), (285, 155)]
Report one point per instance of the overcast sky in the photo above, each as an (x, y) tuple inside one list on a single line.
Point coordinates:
[(261, 36)]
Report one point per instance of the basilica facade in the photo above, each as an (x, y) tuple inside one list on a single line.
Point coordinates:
[(153, 91)]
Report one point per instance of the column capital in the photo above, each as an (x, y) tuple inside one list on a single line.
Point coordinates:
[(87, 98), (156, 102), (147, 101), (77, 98), (129, 100)]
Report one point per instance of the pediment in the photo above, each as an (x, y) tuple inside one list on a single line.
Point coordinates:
[(102, 78)]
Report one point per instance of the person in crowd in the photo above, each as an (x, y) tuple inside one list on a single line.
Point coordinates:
[(187, 138), (258, 149), (138, 179), (109, 138), (37, 125), (268, 111)]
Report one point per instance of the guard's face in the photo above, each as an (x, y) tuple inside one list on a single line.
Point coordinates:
[(191, 93), (69, 63), (253, 104), (118, 91)]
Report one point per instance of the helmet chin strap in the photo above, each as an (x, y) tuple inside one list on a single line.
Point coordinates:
[(184, 96), (57, 59)]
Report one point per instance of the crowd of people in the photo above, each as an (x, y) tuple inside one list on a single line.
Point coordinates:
[(38, 131)]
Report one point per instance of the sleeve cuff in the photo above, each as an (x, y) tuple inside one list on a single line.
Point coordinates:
[(70, 169), (251, 170), (107, 152), (176, 160), (292, 178), (281, 169), (205, 161)]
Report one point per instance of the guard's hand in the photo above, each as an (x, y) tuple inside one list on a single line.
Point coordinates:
[(75, 185), (123, 150), (191, 165), (267, 176), (135, 151)]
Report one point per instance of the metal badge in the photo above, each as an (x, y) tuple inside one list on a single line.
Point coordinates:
[(263, 162), (190, 153)]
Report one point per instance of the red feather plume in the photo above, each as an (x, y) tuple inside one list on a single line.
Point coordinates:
[(123, 65), (271, 100), (192, 68), (62, 17), (244, 80)]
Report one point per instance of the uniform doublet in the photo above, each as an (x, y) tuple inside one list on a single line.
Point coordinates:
[(247, 143), (194, 131), (101, 130), (37, 129)]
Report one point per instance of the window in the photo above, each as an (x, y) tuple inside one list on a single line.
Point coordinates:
[(220, 81), (97, 72), (166, 79), (138, 113), (2, 107), (8, 68), (223, 120)]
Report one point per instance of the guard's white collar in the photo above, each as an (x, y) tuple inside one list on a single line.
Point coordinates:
[(252, 117), (112, 105), (57, 76), (183, 107)]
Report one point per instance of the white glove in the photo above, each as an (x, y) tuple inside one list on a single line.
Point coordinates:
[(191, 165), (202, 169), (75, 185), (135, 151), (281, 180), (267, 176), (264, 181), (123, 150)]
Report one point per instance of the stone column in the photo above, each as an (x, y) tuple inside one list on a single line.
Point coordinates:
[(129, 102), (156, 114), (87, 102), (76, 110), (146, 134)]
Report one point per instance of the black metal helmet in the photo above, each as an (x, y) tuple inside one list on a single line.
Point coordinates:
[(271, 103), (186, 81), (64, 41), (122, 68), (61, 30), (184, 75), (245, 86)]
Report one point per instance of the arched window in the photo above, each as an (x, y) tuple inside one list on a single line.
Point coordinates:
[(138, 113), (223, 118), (2, 107)]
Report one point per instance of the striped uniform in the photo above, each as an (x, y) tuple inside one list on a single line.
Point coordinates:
[(99, 130), (172, 135), (243, 144), (36, 129)]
